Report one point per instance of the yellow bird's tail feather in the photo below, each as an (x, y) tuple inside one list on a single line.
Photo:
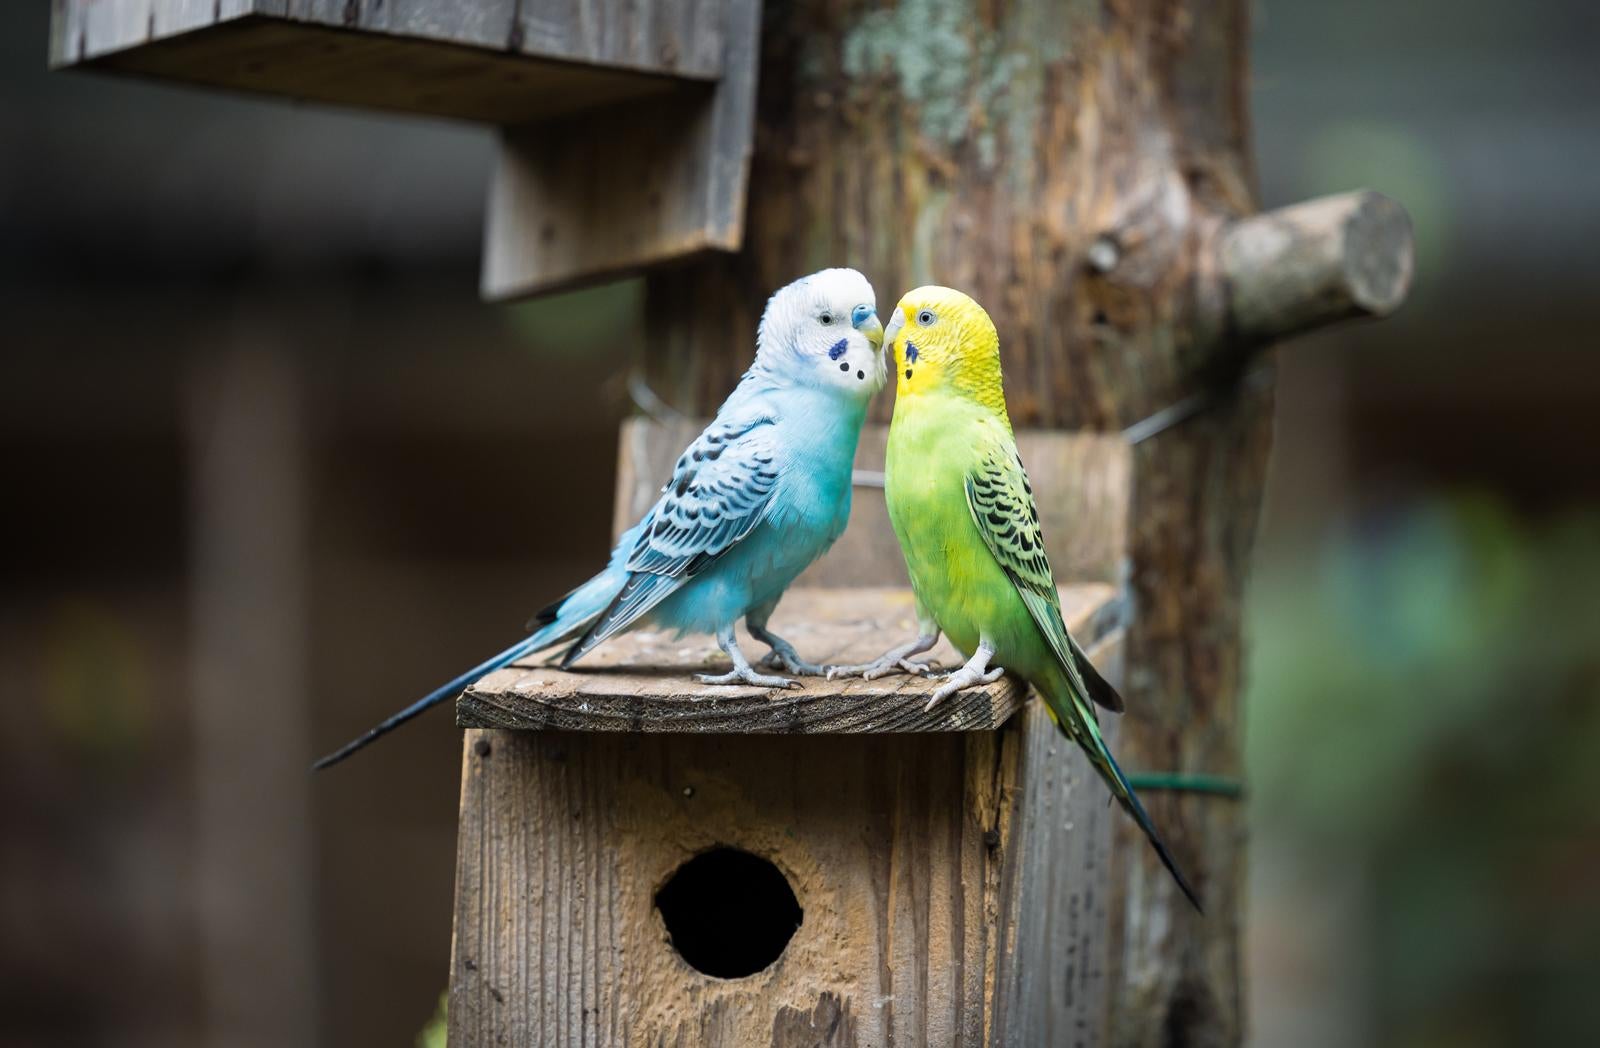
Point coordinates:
[(1076, 720)]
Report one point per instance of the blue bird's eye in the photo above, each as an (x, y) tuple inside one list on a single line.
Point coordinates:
[(826, 318)]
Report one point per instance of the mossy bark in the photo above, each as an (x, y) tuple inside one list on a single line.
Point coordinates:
[(1070, 165)]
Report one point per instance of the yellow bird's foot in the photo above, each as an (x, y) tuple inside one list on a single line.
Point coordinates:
[(976, 671), (746, 675), (896, 658), (881, 666)]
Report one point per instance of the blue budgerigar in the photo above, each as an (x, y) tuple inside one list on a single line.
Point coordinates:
[(758, 496)]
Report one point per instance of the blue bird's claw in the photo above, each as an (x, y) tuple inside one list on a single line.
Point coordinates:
[(745, 675)]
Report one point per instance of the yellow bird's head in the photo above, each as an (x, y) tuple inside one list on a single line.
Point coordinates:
[(943, 341)]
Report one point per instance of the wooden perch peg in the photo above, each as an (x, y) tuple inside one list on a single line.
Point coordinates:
[(1312, 264)]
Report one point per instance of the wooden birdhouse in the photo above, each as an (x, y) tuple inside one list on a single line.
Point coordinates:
[(647, 860), (625, 128)]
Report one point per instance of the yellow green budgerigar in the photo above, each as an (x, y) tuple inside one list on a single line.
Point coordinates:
[(964, 513)]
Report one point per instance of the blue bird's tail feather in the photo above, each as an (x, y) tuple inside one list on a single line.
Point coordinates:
[(560, 622)]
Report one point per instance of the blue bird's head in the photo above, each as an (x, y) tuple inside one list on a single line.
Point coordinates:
[(823, 331)]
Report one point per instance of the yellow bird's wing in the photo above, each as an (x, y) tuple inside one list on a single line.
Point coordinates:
[(1000, 500)]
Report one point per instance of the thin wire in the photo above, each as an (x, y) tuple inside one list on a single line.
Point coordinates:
[(648, 401), (1190, 406), (1179, 782), (1169, 416)]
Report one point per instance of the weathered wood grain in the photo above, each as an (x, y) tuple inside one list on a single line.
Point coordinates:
[(635, 184), (372, 70), (642, 681), (942, 879), (1082, 480), (681, 39), (1055, 953)]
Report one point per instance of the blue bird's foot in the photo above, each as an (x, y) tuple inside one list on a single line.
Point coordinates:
[(742, 673), (785, 658), (782, 656), (745, 675)]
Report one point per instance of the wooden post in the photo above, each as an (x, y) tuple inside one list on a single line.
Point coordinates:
[(253, 798), (1082, 170)]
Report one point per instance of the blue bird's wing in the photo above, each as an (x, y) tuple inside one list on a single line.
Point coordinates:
[(720, 490)]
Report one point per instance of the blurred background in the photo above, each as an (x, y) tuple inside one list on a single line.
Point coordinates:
[(271, 469)]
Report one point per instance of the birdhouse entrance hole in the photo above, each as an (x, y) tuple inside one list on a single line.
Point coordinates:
[(729, 913)]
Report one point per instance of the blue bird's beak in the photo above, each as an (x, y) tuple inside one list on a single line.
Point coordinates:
[(865, 320)]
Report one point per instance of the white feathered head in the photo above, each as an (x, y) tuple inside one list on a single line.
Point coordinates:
[(823, 330)]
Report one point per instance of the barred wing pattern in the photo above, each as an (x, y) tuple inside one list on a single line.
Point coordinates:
[(1001, 503), (718, 493)]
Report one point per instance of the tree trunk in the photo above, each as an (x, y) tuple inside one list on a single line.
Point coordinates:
[(1072, 166)]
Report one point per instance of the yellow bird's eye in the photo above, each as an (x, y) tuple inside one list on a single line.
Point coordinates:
[(926, 318)]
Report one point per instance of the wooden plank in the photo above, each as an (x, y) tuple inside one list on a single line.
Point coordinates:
[(376, 71), (568, 206), (1054, 932), (565, 839), (642, 681), (665, 179), (681, 39), (1080, 480), (473, 23), (682, 35)]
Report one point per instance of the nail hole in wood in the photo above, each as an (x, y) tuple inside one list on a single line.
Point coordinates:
[(1104, 253)]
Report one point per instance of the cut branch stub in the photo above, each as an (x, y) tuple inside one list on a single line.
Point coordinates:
[(1313, 264)]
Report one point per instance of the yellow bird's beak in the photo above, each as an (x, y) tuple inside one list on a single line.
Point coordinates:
[(892, 332)]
